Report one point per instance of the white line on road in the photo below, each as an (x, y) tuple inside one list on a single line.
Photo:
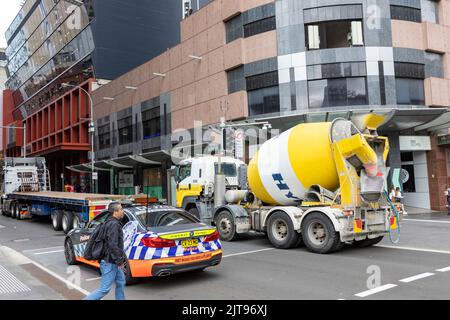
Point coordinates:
[(93, 279), (417, 277), (247, 252), (413, 249), (443, 269), (422, 220), (375, 290), (19, 259), (47, 252), (41, 249), (21, 240), (1, 227)]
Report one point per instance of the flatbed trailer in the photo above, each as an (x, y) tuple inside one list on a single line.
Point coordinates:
[(25, 193), (66, 209)]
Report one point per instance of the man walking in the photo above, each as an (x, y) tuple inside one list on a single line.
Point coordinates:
[(448, 200), (113, 261)]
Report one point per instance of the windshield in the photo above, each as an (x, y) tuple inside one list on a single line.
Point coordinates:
[(228, 169), (165, 218), (183, 172)]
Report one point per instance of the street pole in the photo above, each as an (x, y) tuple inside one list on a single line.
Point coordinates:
[(91, 129)]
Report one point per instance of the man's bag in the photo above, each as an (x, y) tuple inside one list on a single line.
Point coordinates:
[(96, 245)]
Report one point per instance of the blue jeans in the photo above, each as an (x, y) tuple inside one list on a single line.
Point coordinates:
[(110, 273)]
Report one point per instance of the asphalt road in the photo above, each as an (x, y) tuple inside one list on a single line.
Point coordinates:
[(416, 268)]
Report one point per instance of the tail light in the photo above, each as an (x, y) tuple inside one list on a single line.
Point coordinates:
[(157, 243), (212, 237)]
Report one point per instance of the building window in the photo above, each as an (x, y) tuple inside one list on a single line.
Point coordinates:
[(430, 11), (406, 13), (334, 34), (410, 91), (236, 80), (233, 28), (104, 137), (264, 101), (407, 173), (409, 83), (125, 127), (151, 123), (262, 80), (337, 92), (260, 26)]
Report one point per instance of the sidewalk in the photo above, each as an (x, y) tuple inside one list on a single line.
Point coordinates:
[(425, 213), (22, 279)]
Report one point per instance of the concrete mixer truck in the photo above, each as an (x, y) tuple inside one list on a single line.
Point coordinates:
[(321, 184)]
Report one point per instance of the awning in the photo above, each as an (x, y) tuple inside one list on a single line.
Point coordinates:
[(398, 119), (128, 162), (441, 123)]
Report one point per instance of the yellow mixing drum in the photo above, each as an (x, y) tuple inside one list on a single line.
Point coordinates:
[(286, 166)]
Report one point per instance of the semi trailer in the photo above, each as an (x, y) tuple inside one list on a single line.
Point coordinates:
[(321, 184), (26, 192)]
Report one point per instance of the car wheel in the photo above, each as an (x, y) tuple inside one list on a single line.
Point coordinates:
[(67, 221), (319, 234), (57, 220), (129, 280), (69, 253), (225, 226), (280, 231)]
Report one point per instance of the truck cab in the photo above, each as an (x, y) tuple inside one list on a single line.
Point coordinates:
[(195, 179)]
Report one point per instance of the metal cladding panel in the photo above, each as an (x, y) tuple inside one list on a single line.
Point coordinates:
[(129, 33)]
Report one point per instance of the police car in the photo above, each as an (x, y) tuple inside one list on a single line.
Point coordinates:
[(158, 241)]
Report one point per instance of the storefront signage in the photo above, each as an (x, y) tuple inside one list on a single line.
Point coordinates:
[(415, 143)]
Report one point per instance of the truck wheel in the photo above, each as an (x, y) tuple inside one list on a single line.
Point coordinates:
[(14, 209), (67, 221), (76, 220), (69, 253), (57, 220), (129, 280), (280, 231), (194, 212), (319, 234), (226, 227), (367, 242)]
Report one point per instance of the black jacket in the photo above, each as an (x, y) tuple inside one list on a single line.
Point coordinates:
[(113, 242)]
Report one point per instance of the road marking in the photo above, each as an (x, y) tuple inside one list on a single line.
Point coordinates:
[(247, 252), (417, 277), (50, 248), (10, 284), (422, 220), (47, 252), (375, 290), (443, 269), (20, 259), (413, 249), (93, 279), (2, 227), (21, 240)]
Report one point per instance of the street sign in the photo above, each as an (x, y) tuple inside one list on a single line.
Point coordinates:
[(94, 175), (239, 144)]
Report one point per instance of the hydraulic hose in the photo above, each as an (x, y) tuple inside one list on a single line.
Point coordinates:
[(398, 220)]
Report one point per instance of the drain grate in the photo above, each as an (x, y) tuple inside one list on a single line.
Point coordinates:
[(10, 284)]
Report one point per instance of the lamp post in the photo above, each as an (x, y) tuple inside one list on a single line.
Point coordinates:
[(24, 137), (91, 129)]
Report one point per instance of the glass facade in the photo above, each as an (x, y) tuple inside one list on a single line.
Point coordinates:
[(125, 127), (409, 83), (337, 92)]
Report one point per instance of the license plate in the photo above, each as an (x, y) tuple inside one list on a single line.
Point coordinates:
[(189, 243)]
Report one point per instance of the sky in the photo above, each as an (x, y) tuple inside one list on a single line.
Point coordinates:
[(8, 11)]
